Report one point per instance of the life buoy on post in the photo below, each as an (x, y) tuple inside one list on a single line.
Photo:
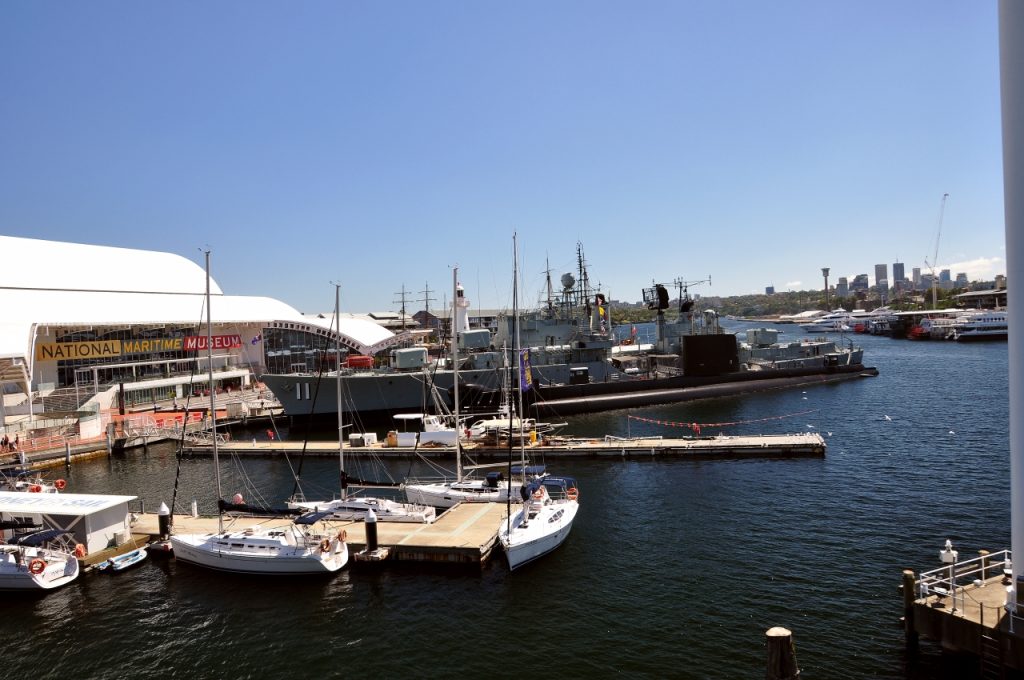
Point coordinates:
[(36, 566), (572, 494), (59, 484), (80, 550)]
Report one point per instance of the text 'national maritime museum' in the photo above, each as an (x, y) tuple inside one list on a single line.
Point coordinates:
[(87, 330)]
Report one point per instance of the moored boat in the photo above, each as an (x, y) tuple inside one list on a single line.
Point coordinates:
[(980, 326), (571, 351), (120, 563), (543, 521), (40, 560)]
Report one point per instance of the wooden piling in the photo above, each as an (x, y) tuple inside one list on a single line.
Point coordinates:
[(781, 655), (909, 631)]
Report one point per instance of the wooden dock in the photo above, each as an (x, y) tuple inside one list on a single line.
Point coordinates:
[(465, 535), (800, 445)]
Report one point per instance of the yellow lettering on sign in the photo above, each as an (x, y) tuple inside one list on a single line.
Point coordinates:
[(60, 351)]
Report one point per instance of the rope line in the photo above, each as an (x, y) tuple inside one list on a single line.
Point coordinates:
[(697, 426)]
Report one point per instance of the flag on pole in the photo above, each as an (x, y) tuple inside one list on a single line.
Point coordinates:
[(525, 376)]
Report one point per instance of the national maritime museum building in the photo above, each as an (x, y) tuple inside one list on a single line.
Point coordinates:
[(86, 328)]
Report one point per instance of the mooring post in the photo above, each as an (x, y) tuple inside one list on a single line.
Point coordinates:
[(781, 655), (67, 453), (984, 565), (909, 595)]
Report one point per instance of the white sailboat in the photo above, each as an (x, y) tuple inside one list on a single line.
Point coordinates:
[(444, 492), (41, 560), (549, 505), (356, 508), (292, 549)]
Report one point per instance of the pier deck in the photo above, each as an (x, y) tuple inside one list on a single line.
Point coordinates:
[(968, 617), (721, 446), (465, 534)]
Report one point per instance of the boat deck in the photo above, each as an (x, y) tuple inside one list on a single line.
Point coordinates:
[(721, 446), (465, 534)]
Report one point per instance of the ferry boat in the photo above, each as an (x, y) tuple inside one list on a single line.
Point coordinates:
[(980, 325)]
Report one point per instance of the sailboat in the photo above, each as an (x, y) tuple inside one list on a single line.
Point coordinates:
[(356, 508), (549, 505), (291, 549), (445, 493)]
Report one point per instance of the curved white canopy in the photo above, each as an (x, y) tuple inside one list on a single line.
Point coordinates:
[(49, 283)]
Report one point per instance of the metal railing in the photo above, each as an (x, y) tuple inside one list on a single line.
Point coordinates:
[(945, 580)]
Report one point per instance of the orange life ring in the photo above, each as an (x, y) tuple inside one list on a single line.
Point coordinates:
[(36, 566), (80, 550), (325, 545), (572, 494), (59, 484), (342, 535), (35, 488), (539, 493)]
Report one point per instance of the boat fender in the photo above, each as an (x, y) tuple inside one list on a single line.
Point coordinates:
[(59, 484), (36, 566), (35, 488), (80, 550)]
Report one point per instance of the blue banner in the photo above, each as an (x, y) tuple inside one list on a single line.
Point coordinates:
[(525, 377)]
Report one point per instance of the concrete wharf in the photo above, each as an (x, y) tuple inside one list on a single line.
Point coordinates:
[(963, 607), (799, 445), (463, 535)]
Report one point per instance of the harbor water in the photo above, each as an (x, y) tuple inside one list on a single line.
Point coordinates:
[(673, 569)]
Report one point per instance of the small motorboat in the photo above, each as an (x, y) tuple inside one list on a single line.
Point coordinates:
[(122, 562)]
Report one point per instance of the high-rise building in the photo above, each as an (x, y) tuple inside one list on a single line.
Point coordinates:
[(881, 274), (897, 273), (842, 287), (961, 280), (860, 282), (769, 290), (916, 277)]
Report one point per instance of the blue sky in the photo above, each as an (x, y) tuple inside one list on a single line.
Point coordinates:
[(380, 144)]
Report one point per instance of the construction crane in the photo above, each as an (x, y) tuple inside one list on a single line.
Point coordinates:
[(935, 258)]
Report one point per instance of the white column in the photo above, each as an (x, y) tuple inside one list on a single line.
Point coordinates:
[(1011, 67)]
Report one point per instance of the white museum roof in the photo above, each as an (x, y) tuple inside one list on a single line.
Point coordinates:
[(67, 284)]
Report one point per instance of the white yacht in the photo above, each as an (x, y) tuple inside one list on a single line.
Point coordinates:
[(980, 325), (41, 560), (355, 508), (838, 320), (284, 550), (542, 523)]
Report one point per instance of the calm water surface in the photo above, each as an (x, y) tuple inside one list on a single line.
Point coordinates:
[(673, 569)]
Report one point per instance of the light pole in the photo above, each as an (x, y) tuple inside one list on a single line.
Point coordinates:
[(824, 272)]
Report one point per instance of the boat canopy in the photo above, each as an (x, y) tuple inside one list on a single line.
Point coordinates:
[(529, 469), (38, 538), (313, 517), (226, 506), (527, 490), (560, 482)]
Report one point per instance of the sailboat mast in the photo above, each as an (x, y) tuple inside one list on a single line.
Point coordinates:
[(519, 347), (337, 382), (455, 370), (213, 395)]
